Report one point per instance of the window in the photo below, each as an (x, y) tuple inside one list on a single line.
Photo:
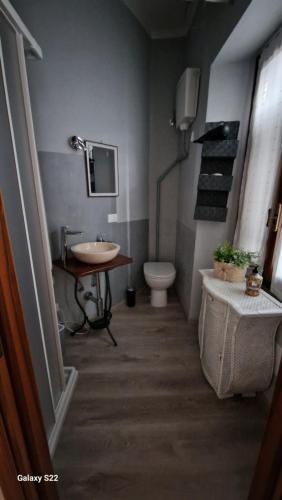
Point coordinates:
[(263, 159)]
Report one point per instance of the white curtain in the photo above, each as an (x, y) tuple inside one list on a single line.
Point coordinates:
[(261, 171)]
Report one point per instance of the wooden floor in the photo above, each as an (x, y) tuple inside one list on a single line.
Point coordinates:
[(144, 424)]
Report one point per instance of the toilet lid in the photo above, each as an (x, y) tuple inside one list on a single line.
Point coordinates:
[(159, 269)]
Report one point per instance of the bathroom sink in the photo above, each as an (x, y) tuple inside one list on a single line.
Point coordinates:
[(96, 252)]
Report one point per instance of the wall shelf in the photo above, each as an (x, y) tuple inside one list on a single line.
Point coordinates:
[(212, 198), (215, 182), (217, 158), (216, 214), (220, 149), (215, 133), (217, 165)]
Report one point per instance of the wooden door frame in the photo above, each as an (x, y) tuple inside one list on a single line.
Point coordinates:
[(18, 359), (267, 479), (273, 236), (8, 475), (14, 458)]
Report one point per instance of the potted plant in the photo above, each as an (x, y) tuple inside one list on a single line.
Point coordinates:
[(230, 263)]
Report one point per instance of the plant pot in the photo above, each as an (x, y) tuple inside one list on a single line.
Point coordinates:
[(229, 272)]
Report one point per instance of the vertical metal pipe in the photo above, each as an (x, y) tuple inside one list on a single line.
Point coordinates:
[(99, 298), (158, 196), (158, 215)]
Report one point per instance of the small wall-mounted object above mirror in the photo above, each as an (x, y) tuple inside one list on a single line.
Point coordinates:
[(102, 169)]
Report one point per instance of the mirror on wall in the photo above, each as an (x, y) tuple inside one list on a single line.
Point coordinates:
[(102, 169)]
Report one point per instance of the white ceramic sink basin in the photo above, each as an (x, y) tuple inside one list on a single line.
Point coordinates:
[(95, 253)]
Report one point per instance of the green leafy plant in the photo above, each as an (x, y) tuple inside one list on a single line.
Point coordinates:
[(231, 255)]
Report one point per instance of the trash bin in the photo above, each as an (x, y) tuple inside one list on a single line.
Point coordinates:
[(130, 296)]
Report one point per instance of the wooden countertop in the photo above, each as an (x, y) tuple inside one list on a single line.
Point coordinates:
[(78, 269)]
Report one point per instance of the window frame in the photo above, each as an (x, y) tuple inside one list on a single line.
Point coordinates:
[(273, 236)]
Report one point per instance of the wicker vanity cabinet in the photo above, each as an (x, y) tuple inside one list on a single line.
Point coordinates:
[(237, 337)]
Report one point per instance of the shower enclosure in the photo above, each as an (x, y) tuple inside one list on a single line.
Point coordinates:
[(20, 186)]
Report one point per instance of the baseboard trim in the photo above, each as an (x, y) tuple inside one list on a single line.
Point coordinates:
[(62, 408), (118, 304)]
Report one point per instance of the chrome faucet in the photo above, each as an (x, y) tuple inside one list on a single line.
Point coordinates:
[(100, 237), (65, 232)]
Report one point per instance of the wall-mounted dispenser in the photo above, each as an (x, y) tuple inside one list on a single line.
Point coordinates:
[(187, 97)]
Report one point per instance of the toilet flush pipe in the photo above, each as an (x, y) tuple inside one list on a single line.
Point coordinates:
[(160, 179)]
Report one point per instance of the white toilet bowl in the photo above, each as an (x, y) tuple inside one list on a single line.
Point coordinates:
[(159, 276)]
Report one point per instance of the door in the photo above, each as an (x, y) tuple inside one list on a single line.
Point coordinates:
[(267, 480), (24, 447), (12, 443), (8, 480)]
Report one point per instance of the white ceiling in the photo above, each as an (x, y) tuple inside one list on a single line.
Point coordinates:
[(161, 18), (261, 19), (165, 18)]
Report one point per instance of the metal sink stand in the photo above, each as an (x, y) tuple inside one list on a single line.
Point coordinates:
[(103, 311)]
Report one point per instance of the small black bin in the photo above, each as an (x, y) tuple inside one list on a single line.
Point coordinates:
[(130, 296)]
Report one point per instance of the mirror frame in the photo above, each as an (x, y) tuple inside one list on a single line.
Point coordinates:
[(105, 146)]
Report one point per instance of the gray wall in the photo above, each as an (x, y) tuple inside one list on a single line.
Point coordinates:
[(230, 91), (225, 94), (167, 65), (211, 27), (93, 81), (224, 42), (66, 201)]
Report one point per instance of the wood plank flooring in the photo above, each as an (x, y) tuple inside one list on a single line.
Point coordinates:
[(144, 424)]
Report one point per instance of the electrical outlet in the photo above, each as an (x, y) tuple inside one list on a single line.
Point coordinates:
[(112, 218)]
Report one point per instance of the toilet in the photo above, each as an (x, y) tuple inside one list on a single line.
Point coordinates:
[(159, 276)]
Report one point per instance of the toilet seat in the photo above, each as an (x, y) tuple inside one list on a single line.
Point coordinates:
[(159, 270)]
